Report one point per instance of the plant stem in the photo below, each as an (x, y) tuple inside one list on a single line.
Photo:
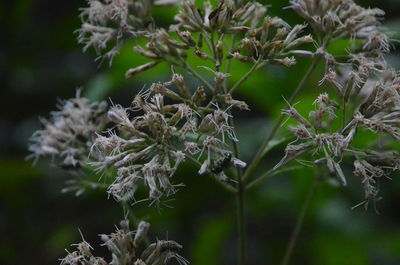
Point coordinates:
[(241, 222), (229, 63), (240, 192), (272, 171), (344, 113), (188, 68), (255, 66), (257, 158), (198, 76), (299, 224), (131, 216)]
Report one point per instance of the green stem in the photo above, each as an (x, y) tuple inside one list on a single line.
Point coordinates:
[(229, 63), (208, 39), (273, 171), (254, 163), (188, 68), (240, 192), (344, 113), (255, 66), (241, 222), (299, 224), (126, 207), (198, 76)]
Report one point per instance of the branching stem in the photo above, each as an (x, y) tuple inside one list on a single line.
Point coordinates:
[(255, 66), (272, 171), (241, 221), (131, 216), (278, 123), (198, 76), (299, 223)]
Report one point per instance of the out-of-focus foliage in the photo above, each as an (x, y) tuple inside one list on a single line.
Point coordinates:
[(40, 61)]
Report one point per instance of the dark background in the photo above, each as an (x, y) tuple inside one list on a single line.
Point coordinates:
[(40, 62)]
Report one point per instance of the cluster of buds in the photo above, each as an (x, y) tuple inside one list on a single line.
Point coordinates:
[(350, 78), (383, 98), (379, 112), (273, 40), (161, 46), (258, 37), (228, 17), (370, 100), (344, 19), (380, 108), (324, 114), (112, 21), (124, 248), (314, 135), (69, 132), (369, 175)]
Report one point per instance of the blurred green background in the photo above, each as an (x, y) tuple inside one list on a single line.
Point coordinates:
[(41, 62)]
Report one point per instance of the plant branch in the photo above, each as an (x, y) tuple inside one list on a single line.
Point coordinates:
[(299, 223), (273, 171), (278, 123), (240, 192), (129, 214), (188, 68), (255, 66), (198, 76), (241, 221)]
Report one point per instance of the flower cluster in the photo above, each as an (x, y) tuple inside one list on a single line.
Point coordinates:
[(379, 112), (70, 132), (152, 138), (255, 36), (112, 21), (124, 248), (367, 89), (344, 19)]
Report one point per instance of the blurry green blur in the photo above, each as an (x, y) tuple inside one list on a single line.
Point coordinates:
[(41, 62)]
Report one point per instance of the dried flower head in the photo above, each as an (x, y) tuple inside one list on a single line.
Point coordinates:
[(344, 18), (124, 246), (110, 22), (68, 133)]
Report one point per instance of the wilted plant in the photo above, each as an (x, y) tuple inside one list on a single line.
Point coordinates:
[(171, 122)]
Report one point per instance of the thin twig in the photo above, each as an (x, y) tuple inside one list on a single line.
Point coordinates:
[(273, 171), (126, 207), (240, 192), (278, 123), (255, 66), (299, 224), (198, 76), (188, 68), (241, 222)]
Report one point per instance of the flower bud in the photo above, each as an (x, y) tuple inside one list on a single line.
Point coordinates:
[(134, 71)]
